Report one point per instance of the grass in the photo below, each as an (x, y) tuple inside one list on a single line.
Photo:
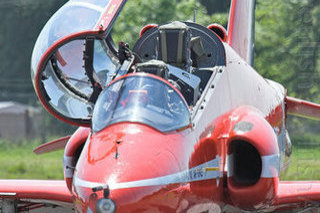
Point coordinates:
[(305, 164), (19, 162)]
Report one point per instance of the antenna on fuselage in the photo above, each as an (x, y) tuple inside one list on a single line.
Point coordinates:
[(195, 12)]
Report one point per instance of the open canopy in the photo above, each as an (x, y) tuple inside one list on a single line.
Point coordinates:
[(72, 60)]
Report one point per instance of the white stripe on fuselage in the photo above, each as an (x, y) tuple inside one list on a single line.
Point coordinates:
[(197, 173)]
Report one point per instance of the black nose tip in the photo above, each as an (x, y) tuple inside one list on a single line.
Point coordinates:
[(106, 206)]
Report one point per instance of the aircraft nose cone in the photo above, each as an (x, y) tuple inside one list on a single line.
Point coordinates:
[(133, 160)]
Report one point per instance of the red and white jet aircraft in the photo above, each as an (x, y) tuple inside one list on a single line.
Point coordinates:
[(180, 123)]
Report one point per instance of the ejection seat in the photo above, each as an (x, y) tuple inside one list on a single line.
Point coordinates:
[(185, 45), (174, 45)]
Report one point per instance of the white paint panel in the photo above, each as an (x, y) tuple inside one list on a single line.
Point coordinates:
[(270, 166)]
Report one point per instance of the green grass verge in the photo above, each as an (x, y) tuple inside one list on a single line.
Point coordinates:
[(19, 162), (305, 164)]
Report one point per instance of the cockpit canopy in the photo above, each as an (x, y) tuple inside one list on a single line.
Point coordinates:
[(72, 42), (74, 60), (74, 17), (141, 98), (65, 80)]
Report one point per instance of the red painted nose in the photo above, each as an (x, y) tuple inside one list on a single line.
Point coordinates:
[(129, 159)]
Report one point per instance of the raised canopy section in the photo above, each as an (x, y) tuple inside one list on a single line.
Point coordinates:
[(72, 59)]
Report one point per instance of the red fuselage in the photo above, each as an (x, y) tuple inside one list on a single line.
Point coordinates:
[(198, 167)]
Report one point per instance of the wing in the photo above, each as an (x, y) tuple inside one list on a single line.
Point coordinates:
[(52, 146), (241, 28), (302, 108), (25, 195), (298, 194)]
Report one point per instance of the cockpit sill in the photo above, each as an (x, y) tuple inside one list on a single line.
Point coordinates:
[(207, 93)]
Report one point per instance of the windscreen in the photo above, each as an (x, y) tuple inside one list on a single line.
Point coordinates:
[(142, 99)]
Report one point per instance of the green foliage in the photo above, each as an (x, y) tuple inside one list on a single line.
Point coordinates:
[(287, 45), (214, 6), (138, 13), (287, 51)]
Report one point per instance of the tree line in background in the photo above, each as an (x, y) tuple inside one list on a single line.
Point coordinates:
[(21, 22), (286, 48)]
